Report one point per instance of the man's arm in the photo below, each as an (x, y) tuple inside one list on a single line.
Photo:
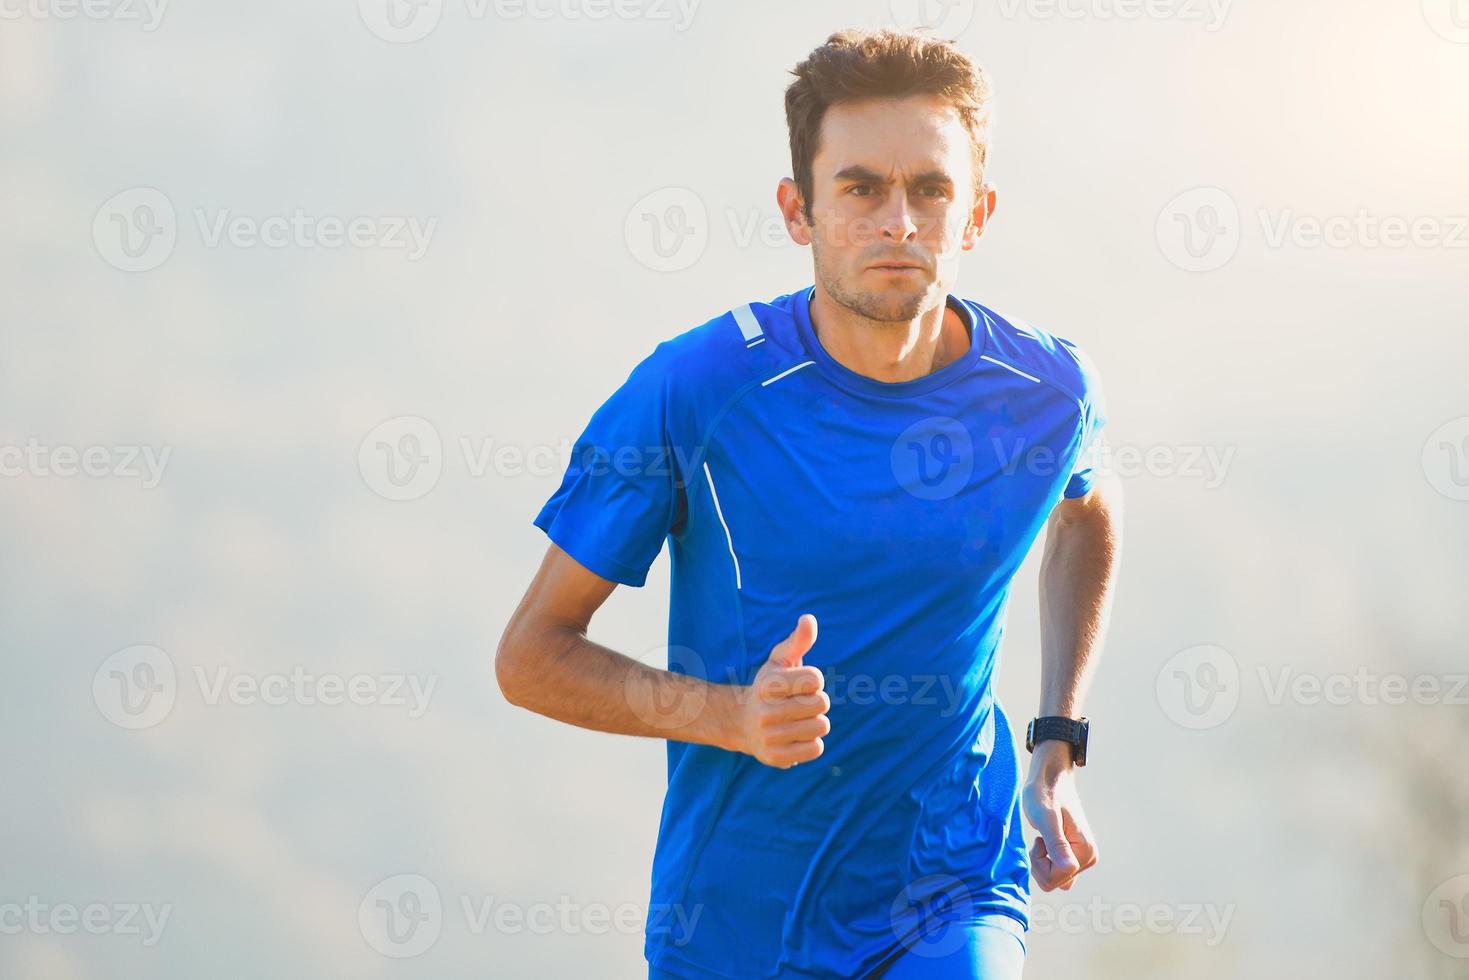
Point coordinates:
[(546, 663), (1078, 571)]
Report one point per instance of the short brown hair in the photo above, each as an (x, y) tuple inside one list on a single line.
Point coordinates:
[(857, 64)]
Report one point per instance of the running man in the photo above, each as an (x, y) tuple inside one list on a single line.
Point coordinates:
[(848, 477)]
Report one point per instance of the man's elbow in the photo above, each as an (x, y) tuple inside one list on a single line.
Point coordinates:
[(509, 665)]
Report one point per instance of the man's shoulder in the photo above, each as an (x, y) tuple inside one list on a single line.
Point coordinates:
[(712, 362), (743, 327), (1023, 346)]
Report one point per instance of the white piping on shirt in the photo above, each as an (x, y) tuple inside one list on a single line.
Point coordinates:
[(1011, 367), (785, 372), (712, 493)]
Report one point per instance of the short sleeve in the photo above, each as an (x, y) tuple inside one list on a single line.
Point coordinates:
[(621, 493), (1091, 457)]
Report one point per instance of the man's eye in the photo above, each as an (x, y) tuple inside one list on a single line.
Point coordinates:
[(937, 190)]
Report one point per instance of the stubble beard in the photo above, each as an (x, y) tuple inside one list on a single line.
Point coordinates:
[(897, 305)]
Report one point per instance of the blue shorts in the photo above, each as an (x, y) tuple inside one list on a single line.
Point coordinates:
[(991, 948)]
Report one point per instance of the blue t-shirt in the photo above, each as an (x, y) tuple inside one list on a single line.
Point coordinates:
[(897, 514)]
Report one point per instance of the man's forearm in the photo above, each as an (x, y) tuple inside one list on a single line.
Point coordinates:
[(560, 673), (1078, 572)]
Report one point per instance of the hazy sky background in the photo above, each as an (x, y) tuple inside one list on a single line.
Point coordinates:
[(1162, 167)]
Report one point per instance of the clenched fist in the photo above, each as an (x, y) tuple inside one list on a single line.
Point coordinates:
[(783, 715)]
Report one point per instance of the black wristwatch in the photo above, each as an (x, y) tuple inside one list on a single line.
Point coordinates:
[(1062, 729)]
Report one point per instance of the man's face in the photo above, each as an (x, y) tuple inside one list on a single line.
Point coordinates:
[(892, 204)]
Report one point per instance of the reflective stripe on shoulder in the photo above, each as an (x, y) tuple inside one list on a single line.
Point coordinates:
[(749, 326)]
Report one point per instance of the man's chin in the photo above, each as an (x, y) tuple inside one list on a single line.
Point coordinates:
[(896, 300)]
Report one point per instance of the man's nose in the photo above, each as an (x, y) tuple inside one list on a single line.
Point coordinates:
[(896, 223)]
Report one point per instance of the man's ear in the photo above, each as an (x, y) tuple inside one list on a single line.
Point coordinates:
[(792, 209), (984, 210)]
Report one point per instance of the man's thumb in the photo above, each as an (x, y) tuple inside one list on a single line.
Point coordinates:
[(788, 652), (1058, 848)]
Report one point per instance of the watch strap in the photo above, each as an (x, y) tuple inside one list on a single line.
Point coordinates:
[(1059, 728)]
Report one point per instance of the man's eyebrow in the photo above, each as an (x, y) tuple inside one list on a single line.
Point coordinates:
[(858, 172)]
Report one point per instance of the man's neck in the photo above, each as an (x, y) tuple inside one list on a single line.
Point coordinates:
[(889, 351)]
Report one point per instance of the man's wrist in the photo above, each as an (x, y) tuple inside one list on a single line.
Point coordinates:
[(1068, 731), (719, 724), (1051, 758)]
